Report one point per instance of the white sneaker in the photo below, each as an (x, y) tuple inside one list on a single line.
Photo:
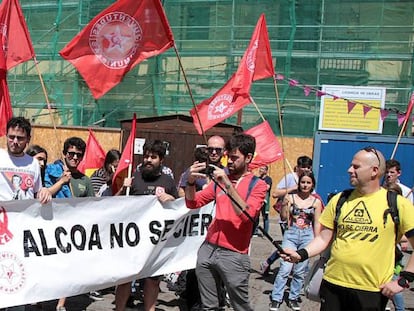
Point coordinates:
[(95, 295)]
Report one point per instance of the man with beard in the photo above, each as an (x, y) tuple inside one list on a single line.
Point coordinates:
[(224, 254), (148, 180), (211, 154), (19, 171)]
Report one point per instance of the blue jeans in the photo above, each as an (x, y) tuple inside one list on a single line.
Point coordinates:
[(294, 238), (398, 299), (265, 216)]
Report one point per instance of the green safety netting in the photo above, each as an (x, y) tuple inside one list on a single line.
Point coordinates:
[(316, 42)]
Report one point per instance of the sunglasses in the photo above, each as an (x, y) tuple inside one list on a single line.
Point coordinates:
[(374, 151), (13, 137), (72, 154), (216, 149)]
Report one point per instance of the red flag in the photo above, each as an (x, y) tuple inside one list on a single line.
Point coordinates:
[(409, 111), (127, 158), (268, 149), (14, 35), (257, 61), (94, 156), (5, 106), (120, 37), (217, 108)]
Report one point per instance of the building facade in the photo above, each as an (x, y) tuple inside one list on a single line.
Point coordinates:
[(314, 42)]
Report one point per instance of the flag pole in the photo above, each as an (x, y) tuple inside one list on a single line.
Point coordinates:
[(49, 108), (399, 138), (282, 140), (403, 128), (190, 93), (261, 115), (128, 189), (257, 108)]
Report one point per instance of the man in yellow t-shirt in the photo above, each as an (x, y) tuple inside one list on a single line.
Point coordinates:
[(359, 272)]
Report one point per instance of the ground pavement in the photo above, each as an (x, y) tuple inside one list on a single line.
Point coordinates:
[(260, 288)]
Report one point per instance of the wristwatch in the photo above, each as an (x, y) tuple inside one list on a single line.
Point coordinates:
[(403, 282)]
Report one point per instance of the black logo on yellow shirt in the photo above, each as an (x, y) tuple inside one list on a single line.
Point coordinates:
[(358, 215)]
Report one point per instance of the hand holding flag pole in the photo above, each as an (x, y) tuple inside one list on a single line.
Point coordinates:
[(128, 189), (126, 161)]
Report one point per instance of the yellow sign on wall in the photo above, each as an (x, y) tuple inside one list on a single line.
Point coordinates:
[(352, 108)]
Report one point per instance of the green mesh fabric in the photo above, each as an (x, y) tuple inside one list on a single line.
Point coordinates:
[(315, 42)]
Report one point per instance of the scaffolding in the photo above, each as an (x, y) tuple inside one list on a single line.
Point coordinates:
[(364, 43)]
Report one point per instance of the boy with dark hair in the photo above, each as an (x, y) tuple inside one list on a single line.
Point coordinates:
[(64, 180), (20, 176), (392, 174)]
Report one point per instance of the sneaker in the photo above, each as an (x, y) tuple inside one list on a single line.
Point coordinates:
[(60, 308), (264, 267), (293, 304), (95, 295), (274, 305)]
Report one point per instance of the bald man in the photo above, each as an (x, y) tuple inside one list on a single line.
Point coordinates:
[(359, 272), (215, 149)]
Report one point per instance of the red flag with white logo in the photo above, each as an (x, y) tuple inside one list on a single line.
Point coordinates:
[(116, 40), (94, 156), (127, 159), (14, 36), (257, 62), (217, 108), (268, 149)]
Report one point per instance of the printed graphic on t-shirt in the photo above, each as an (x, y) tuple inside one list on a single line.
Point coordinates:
[(358, 215), (154, 190), (159, 191), (20, 184), (357, 225)]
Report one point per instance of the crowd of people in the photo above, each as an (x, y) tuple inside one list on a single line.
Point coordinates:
[(352, 280)]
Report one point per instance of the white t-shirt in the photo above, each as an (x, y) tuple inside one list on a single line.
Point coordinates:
[(289, 181), (20, 177), (406, 192)]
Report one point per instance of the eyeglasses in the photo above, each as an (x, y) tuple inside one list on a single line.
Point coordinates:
[(216, 149), (72, 154), (374, 151), (13, 137)]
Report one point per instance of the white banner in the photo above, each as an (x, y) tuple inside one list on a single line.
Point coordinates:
[(73, 246)]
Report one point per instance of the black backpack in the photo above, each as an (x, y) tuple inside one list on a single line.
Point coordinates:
[(392, 210)]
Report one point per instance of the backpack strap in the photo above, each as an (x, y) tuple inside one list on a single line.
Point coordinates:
[(393, 211), (252, 183), (342, 199)]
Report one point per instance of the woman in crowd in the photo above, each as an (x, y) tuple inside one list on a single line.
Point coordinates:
[(101, 179), (301, 210), (40, 154)]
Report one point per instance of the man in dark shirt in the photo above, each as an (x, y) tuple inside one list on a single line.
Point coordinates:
[(148, 180)]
